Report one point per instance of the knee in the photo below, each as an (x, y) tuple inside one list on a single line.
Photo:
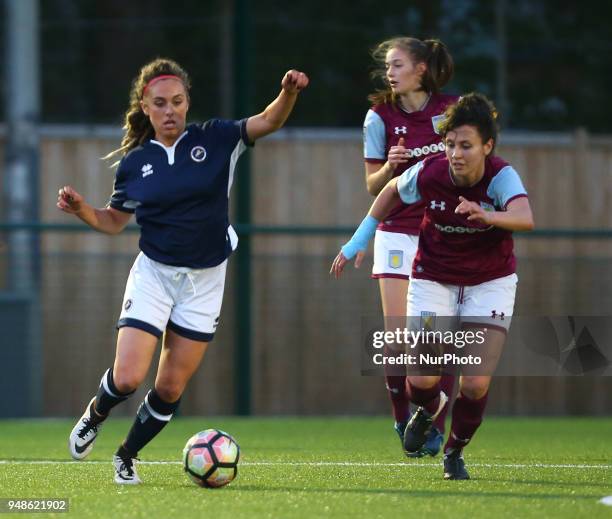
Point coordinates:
[(475, 388), (126, 381), (169, 390), (423, 382)]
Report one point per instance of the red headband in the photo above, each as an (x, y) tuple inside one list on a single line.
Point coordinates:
[(159, 78)]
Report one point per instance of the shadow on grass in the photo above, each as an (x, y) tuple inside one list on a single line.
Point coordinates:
[(426, 494), (547, 483)]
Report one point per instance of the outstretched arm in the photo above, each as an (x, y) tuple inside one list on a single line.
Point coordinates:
[(106, 220), (386, 200), (276, 113)]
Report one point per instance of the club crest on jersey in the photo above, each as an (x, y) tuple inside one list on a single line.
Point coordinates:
[(400, 129), (487, 207), (396, 259), (198, 153), (436, 122), (428, 321)]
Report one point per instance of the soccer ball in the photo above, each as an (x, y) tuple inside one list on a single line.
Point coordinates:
[(210, 458)]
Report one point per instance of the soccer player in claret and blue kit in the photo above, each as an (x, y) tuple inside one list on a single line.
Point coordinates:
[(464, 266), (400, 129), (176, 178)]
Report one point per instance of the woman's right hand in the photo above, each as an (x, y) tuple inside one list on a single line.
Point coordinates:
[(397, 154), (340, 261), (69, 201)]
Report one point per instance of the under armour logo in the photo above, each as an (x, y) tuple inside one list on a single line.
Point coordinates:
[(147, 170), (400, 129), (438, 205), (494, 315)]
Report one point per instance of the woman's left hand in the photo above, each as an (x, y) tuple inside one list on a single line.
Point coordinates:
[(474, 211), (294, 81)]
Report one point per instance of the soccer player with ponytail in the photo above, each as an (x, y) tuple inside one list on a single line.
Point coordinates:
[(176, 178), (400, 129)]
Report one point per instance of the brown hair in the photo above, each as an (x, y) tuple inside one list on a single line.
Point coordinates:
[(432, 52), (137, 125), (475, 110)]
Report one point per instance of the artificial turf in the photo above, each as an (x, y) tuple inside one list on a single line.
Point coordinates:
[(322, 467)]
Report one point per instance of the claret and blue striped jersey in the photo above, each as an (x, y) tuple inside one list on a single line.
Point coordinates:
[(180, 194)]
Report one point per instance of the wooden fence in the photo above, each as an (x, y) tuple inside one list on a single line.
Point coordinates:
[(306, 327)]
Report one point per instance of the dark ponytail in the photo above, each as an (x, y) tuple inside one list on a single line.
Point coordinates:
[(440, 66)]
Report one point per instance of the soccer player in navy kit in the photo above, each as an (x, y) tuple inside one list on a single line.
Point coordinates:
[(465, 265), (400, 129), (176, 178)]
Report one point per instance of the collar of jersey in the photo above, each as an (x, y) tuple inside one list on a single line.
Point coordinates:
[(420, 109), (452, 179), (170, 149)]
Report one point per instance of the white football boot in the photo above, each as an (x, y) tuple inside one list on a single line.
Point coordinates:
[(125, 471), (84, 434)]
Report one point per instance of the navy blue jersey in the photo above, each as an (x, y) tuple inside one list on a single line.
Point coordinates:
[(180, 193)]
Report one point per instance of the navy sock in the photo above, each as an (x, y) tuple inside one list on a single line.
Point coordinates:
[(153, 415), (108, 396)]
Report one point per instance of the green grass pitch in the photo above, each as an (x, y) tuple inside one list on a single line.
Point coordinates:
[(322, 467)]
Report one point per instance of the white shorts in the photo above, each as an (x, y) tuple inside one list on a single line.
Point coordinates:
[(490, 303), (393, 254), (185, 300)]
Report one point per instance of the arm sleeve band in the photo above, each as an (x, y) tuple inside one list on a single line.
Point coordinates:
[(361, 237)]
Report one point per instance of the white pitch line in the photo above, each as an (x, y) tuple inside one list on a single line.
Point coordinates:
[(323, 464)]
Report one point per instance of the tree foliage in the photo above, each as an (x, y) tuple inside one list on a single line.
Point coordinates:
[(557, 55)]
